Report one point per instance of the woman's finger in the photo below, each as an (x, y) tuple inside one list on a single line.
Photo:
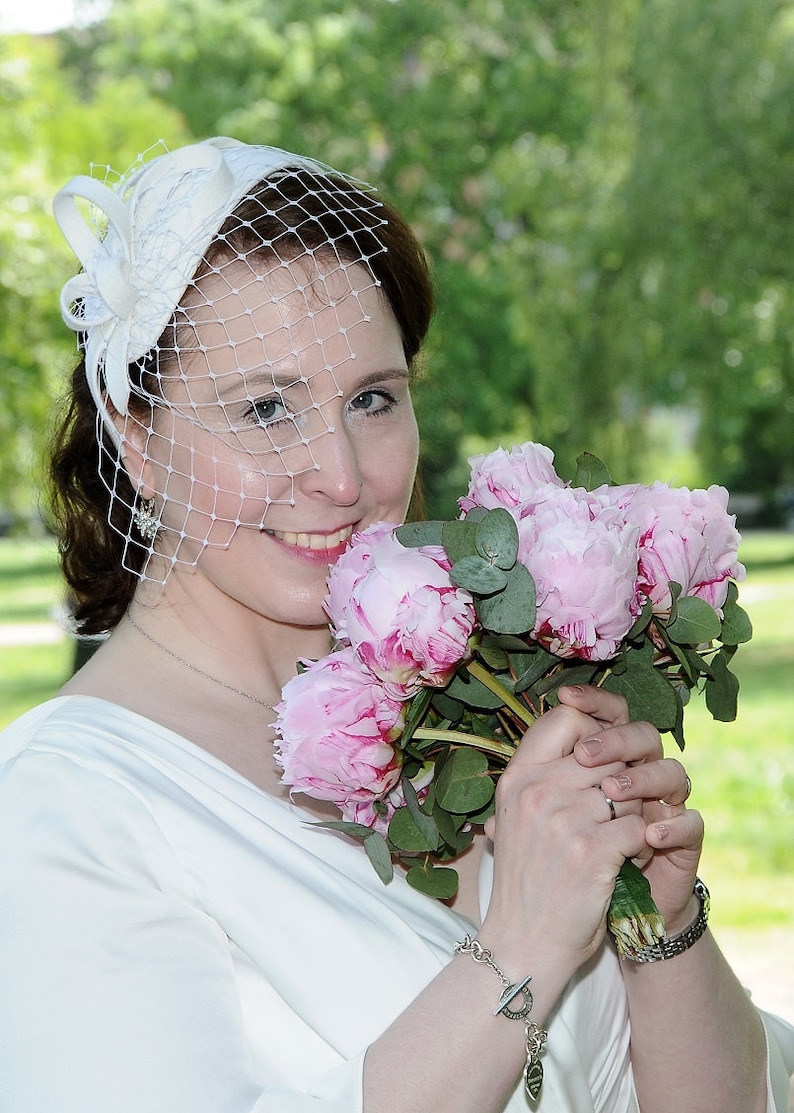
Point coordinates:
[(665, 781), (634, 743), (606, 708)]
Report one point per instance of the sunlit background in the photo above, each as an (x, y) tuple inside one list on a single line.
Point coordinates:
[(605, 194)]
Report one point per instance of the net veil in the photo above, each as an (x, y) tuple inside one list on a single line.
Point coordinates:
[(219, 285)]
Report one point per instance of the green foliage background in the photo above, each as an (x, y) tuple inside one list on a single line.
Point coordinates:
[(603, 187)]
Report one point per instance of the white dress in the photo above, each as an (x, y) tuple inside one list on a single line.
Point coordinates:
[(174, 940)]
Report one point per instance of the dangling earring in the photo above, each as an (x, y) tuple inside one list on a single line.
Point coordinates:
[(146, 519)]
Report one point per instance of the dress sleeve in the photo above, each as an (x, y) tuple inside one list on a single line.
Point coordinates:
[(117, 989), (780, 1058)]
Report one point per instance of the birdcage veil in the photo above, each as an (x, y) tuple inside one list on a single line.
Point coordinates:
[(219, 283)]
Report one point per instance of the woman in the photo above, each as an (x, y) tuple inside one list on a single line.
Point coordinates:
[(177, 935)]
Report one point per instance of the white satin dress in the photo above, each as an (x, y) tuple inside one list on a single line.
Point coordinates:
[(174, 940)]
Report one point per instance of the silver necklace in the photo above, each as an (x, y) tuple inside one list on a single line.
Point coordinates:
[(194, 668)]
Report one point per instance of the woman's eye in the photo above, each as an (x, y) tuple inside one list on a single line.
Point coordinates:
[(267, 410), (374, 401)]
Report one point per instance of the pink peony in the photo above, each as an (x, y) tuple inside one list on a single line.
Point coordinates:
[(400, 611), (509, 479), (687, 537), (336, 726), (583, 557)]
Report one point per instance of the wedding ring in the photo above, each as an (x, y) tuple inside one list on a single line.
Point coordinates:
[(678, 803), (610, 803)]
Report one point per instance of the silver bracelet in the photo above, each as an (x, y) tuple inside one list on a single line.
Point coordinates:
[(534, 1036), (669, 948)]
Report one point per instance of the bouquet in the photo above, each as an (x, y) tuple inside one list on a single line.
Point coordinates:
[(451, 637)]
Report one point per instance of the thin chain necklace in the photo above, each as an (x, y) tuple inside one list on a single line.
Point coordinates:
[(194, 668)]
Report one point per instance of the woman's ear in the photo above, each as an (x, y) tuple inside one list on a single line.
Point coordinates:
[(133, 442)]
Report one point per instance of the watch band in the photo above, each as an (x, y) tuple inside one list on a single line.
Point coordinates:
[(677, 944)]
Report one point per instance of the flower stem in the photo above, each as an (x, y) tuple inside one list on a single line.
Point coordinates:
[(476, 741), (520, 710)]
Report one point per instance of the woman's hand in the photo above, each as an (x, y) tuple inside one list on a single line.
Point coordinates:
[(650, 786), (556, 850)]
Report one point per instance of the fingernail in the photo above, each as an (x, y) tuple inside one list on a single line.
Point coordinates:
[(623, 780), (662, 831), (575, 688), (592, 747)]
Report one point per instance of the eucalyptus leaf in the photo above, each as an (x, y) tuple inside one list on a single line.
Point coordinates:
[(497, 538), (464, 785), (722, 690), (535, 665), (357, 830), (736, 625), (644, 617), (512, 611), (459, 539), (435, 881), (494, 657), (478, 576), (650, 695), (413, 535), (379, 854), (590, 472), (450, 708), (425, 823), (469, 690), (406, 835), (448, 824), (696, 622), (415, 713)]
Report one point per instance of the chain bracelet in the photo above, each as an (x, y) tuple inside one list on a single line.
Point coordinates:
[(534, 1036)]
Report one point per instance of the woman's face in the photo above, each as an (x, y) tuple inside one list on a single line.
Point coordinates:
[(288, 425)]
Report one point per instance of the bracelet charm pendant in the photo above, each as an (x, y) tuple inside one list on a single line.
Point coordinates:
[(533, 1073)]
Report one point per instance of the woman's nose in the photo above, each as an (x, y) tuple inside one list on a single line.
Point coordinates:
[(335, 473)]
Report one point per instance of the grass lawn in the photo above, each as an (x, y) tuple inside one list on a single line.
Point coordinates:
[(742, 773)]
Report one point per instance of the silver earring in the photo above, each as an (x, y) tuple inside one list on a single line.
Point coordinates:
[(146, 519)]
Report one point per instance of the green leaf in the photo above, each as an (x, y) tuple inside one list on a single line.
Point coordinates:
[(448, 707), (448, 824), (677, 729), (425, 823), (497, 538), (696, 622), (459, 539), (379, 854), (478, 576), (722, 690), (416, 711), (413, 535), (464, 785), (469, 690), (512, 611), (645, 616), (356, 830), (590, 472), (496, 658), (406, 835), (435, 881), (537, 665), (648, 693), (736, 625)]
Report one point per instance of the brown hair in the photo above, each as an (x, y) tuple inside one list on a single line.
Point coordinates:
[(96, 537)]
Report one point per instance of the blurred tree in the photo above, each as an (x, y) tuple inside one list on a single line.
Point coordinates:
[(602, 186), (49, 134)]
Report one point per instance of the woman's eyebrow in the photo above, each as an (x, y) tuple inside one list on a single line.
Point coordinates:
[(260, 379)]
